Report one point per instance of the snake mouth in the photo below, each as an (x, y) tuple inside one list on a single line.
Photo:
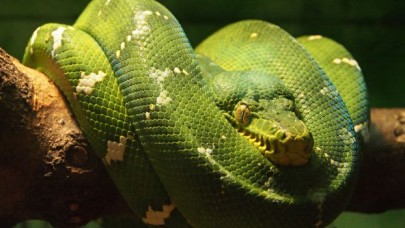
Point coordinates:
[(282, 147)]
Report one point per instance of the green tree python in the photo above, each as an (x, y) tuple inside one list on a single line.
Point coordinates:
[(247, 130)]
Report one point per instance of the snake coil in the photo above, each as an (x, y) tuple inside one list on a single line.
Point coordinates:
[(145, 101)]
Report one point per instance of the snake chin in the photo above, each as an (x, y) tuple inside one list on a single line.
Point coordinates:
[(262, 109), (274, 129), (282, 147)]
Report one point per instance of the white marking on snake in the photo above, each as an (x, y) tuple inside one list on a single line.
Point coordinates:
[(300, 96), (177, 70), (57, 39), (157, 218), (107, 2), (129, 37), (34, 36), (332, 93), (122, 45), (205, 151), (362, 128), (118, 54), (165, 17), (152, 107), (319, 150), (253, 35), (158, 13), (337, 61), (141, 26), (314, 37), (87, 82), (324, 90), (163, 98), (348, 61), (358, 127), (334, 163), (141, 30), (147, 115), (269, 182), (185, 72), (32, 40), (159, 76), (347, 135), (352, 62), (115, 150)]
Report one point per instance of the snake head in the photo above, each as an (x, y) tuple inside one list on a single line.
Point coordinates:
[(262, 110), (274, 129)]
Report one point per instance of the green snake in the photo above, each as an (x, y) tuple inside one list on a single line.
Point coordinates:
[(247, 130)]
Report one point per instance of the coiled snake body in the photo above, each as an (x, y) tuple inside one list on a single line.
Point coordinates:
[(249, 132)]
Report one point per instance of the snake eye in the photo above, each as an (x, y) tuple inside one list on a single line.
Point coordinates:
[(242, 113)]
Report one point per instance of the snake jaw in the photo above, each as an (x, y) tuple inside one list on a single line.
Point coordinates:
[(282, 147), (275, 130)]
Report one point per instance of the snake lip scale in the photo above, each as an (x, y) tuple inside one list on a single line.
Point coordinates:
[(269, 146), (251, 128)]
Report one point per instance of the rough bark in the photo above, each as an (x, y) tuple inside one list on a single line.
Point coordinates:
[(381, 184), (48, 171)]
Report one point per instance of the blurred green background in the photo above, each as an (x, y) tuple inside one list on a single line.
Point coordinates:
[(373, 31)]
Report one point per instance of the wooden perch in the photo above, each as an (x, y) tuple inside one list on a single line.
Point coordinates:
[(48, 171)]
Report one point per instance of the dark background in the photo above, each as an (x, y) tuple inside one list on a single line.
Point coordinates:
[(372, 30)]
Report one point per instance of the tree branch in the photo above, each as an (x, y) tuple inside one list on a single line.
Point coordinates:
[(381, 185), (48, 170)]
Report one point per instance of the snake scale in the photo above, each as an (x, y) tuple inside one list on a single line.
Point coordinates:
[(247, 130)]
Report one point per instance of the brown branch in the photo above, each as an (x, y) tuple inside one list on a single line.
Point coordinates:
[(48, 171), (381, 184)]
